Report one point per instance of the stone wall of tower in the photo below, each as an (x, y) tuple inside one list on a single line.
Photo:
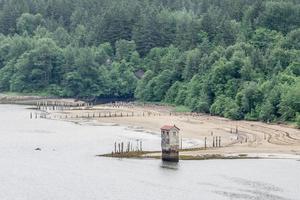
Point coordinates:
[(170, 145)]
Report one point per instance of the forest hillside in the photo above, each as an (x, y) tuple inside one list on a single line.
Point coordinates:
[(234, 58)]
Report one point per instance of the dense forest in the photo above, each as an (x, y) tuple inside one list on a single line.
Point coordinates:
[(234, 58)]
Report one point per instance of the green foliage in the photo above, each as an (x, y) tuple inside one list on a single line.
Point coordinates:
[(182, 109), (238, 59), (226, 107), (298, 120), (28, 23)]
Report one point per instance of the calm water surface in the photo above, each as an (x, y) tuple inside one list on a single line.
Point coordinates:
[(66, 168)]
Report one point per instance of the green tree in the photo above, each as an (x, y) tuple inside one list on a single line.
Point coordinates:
[(28, 23), (298, 120)]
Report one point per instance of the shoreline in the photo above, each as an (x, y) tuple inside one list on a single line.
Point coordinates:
[(156, 155), (187, 153), (263, 140), (238, 137)]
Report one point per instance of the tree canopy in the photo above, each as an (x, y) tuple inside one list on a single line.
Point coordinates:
[(234, 58)]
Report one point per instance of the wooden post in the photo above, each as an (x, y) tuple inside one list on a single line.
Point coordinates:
[(213, 141), (141, 145), (220, 141), (30, 115), (115, 147), (205, 145)]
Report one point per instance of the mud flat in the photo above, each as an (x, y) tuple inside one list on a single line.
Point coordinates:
[(254, 139)]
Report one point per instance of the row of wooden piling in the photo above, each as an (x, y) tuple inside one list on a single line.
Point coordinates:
[(215, 143), (59, 105), (122, 147), (105, 115)]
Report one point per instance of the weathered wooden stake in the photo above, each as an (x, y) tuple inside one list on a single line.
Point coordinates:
[(205, 145)]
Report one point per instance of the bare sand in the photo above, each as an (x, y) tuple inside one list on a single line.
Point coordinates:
[(238, 137)]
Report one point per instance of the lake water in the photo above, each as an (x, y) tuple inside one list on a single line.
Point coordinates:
[(66, 168)]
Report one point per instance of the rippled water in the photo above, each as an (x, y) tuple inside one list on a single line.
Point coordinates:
[(67, 168)]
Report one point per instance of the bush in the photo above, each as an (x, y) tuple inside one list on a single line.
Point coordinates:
[(182, 109), (298, 120)]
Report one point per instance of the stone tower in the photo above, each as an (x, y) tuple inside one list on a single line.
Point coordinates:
[(170, 143)]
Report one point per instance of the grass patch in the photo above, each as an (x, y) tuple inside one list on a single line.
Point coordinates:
[(182, 109)]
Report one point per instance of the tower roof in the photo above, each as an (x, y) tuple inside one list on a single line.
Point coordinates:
[(169, 127)]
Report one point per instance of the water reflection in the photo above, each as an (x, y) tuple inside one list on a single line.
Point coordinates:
[(170, 165)]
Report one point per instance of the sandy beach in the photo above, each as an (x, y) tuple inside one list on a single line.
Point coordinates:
[(238, 137)]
